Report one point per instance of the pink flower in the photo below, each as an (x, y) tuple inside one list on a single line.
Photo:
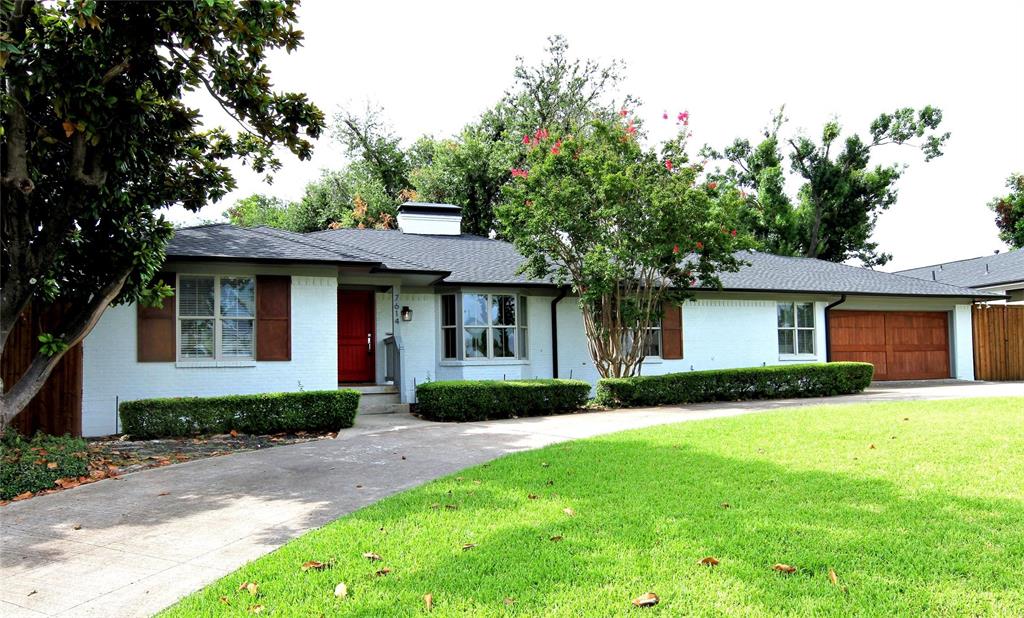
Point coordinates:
[(541, 134), (734, 233), (675, 249), (668, 164), (700, 245), (712, 185), (520, 173), (526, 139), (630, 128), (683, 117), (557, 148), (623, 112), (664, 115)]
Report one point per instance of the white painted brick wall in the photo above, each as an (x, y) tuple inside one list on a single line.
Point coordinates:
[(111, 371)]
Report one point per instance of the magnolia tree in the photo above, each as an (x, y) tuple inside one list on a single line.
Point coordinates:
[(97, 141), (1009, 211), (628, 228)]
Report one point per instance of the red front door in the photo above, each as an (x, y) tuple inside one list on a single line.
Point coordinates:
[(356, 336)]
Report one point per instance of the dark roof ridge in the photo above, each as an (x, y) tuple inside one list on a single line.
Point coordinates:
[(978, 257)]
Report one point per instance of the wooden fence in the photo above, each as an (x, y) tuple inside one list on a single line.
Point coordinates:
[(998, 342), (57, 408)]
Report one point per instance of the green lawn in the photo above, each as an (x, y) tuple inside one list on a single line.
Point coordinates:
[(917, 507)]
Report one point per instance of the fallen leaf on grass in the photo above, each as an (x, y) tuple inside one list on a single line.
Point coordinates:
[(872, 446), (508, 601), (252, 587), (832, 577), (52, 465), (648, 599), (531, 496), (256, 609), (544, 464), (435, 506), (451, 507), (556, 538), (568, 511), (784, 568), (549, 482), (225, 600), (382, 572), (726, 505), (372, 556), (314, 565), (341, 590), (468, 546), (428, 601), (709, 561)]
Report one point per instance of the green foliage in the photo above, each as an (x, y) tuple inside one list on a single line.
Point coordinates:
[(1009, 211), (351, 197), (478, 400), (98, 139), (369, 139), (259, 414), (776, 382), (260, 210), (50, 345), (833, 214), (626, 227), (25, 465)]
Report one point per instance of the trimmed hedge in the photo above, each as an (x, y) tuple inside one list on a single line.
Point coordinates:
[(479, 400), (776, 382), (33, 465), (259, 414)]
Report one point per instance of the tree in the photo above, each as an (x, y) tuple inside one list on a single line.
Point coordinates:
[(97, 140), (368, 138), (258, 209), (1009, 211), (351, 197), (835, 210), (625, 227)]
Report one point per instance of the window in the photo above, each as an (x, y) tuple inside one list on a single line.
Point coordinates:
[(482, 326), (796, 328), (216, 317), (652, 340)]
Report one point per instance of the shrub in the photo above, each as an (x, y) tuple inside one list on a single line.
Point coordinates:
[(776, 382), (263, 413), (478, 400), (33, 465)]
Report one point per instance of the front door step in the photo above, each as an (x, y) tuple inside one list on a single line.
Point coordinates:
[(378, 398)]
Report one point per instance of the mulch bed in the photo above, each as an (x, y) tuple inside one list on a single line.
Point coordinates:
[(114, 456)]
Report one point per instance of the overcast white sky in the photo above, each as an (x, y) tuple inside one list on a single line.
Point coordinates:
[(435, 66)]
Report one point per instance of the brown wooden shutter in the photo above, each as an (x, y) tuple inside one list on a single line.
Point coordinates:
[(156, 328), (672, 331), (273, 318)]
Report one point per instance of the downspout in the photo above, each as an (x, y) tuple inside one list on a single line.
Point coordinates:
[(828, 328), (554, 330)]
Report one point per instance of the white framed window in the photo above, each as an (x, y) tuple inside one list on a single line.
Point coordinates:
[(216, 317), (796, 329), (483, 326), (652, 340)]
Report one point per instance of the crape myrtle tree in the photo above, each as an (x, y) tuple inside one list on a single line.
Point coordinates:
[(626, 227), (1009, 211), (97, 141), (833, 214)]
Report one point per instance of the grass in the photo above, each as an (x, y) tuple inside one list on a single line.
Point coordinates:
[(918, 507)]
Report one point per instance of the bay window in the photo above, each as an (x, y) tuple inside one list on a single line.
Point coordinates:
[(796, 328), (483, 326), (216, 317)]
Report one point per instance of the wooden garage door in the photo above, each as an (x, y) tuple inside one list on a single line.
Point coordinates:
[(902, 345)]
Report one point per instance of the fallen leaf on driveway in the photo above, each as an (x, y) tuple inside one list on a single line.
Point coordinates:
[(252, 587), (164, 493), (648, 599), (341, 590), (832, 577), (23, 496), (76, 527), (784, 568), (709, 561), (315, 565), (383, 571), (428, 601)]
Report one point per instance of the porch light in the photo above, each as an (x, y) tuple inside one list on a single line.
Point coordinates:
[(406, 314)]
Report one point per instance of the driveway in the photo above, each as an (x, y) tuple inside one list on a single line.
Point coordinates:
[(133, 545)]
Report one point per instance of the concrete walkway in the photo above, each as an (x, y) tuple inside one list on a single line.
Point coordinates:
[(131, 546)]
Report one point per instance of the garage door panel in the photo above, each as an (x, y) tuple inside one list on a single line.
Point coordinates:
[(902, 345)]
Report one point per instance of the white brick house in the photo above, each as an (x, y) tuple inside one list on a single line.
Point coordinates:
[(264, 310)]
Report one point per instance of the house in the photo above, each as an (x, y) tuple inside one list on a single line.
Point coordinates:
[(263, 310), (999, 272)]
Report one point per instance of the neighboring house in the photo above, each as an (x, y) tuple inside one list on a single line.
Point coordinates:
[(999, 272), (263, 310)]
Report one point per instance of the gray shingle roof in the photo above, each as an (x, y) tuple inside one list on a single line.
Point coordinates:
[(470, 259), (997, 269)]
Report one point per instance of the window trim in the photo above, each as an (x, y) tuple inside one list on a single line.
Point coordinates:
[(218, 359), (795, 329), (520, 328)]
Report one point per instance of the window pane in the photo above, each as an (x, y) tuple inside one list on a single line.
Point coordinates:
[(238, 297), (197, 338), (785, 311), (522, 311), (805, 341), (476, 342), (503, 310), (805, 315), (448, 310), (504, 342), (448, 336), (195, 298), (236, 338), (523, 347), (652, 343), (785, 341), (474, 309)]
